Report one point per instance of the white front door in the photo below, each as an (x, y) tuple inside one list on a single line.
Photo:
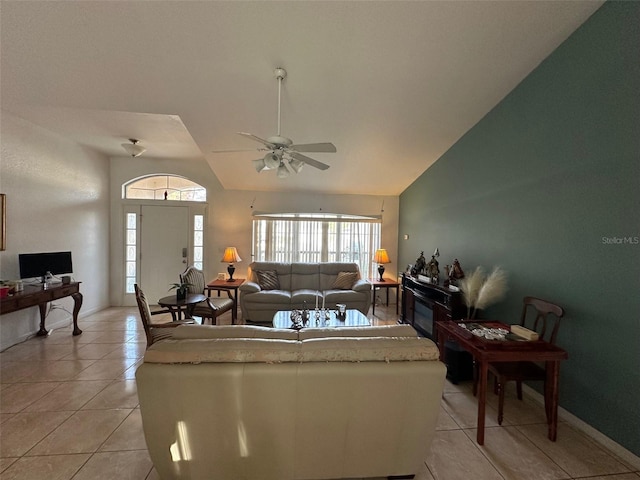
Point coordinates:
[(164, 248)]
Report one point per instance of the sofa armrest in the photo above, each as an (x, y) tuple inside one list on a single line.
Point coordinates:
[(362, 285), (250, 287)]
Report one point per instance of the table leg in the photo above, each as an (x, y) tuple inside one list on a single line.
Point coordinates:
[(43, 314), (77, 303), (188, 312), (482, 399), (172, 311), (234, 316), (387, 289), (551, 399), (397, 298), (441, 342), (373, 311)]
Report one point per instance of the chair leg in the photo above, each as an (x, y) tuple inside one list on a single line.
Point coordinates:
[(500, 386), (519, 389)]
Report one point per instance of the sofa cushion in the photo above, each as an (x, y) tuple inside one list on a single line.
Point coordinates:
[(332, 297), (345, 280), (273, 297), (305, 296), (223, 350), (268, 280), (367, 349), (305, 276), (233, 331), (376, 331), (261, 350), (282, 269)]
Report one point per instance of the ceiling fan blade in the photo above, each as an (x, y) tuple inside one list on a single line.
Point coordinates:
[(257, 139), (309, 161), (315, 147)]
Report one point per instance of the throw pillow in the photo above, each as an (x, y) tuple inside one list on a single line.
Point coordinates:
[(345, 280), (268, 280)]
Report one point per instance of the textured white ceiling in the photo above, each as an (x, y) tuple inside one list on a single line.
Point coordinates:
[(392, 84)]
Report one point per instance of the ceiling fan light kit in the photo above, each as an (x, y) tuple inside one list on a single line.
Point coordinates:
[(133, 148), (282, 171), (296, 165), (259, 165), (272, 160), (283, 156)]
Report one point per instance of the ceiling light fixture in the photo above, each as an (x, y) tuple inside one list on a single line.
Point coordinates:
[(259, 164), (272, 160), (296, 165), (133, 148), (282, 171)]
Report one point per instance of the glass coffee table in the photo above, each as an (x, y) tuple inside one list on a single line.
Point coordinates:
[(352, 318)]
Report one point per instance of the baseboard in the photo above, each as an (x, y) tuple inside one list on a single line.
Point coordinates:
[(625, 455), (65, 322)]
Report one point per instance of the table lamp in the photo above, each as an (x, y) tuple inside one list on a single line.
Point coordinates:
[(231, 256), (381, 257)]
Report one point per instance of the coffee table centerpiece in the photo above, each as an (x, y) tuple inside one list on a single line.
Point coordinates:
[(320, 318)]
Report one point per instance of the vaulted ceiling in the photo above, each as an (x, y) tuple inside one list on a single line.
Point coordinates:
[(392, 84)]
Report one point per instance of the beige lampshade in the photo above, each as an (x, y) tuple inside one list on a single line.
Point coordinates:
[(381, 256), (231, 255)]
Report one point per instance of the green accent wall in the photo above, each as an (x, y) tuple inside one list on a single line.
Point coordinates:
[(547, 185)]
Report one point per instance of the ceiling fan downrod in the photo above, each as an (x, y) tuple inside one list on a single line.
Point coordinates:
[(281, 74)]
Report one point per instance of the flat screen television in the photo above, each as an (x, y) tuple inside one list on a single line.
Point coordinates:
[(38, 264)]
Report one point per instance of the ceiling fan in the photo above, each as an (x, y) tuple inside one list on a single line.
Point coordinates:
[(282, 154)]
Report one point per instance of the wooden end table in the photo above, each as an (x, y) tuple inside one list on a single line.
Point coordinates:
[(230, 286), (386, 283)]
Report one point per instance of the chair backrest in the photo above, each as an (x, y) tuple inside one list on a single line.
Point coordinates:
[(145, 313), (546, 320), (195, 278)]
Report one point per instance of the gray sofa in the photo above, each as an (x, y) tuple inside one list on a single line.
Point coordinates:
[(300, 284)]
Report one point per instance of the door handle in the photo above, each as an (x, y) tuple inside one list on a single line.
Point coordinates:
[(185, 254)]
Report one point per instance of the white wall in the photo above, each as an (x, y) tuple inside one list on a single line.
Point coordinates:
[(229, 216), (57, 200)]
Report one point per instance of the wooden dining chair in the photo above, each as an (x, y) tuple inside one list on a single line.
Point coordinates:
[(211, 307), (544, 318), (154, 331)]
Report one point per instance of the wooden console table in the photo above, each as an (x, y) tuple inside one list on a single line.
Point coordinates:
[(37, 295), (488, 351)]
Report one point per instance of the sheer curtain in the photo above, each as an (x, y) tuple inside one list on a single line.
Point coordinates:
[(317, 238)]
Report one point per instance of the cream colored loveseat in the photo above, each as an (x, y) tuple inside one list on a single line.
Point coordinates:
[(248, 402), (300, 284)]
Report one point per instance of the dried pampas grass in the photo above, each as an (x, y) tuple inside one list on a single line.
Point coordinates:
[(470, 286), (479, 292), (493, 289)]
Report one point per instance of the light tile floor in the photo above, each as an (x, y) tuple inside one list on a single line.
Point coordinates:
[(69, 410)]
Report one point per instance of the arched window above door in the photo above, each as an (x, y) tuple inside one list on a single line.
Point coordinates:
[(164, 187)]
